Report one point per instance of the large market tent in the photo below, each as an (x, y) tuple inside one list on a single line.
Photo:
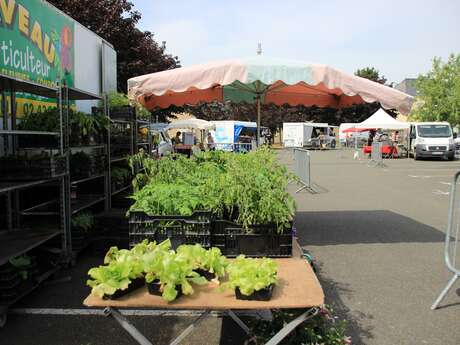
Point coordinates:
[(262, 80), (381, 119)]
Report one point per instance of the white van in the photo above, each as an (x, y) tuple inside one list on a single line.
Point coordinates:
[(431, 139)]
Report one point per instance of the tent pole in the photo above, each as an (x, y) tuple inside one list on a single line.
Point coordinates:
[(258, 119)]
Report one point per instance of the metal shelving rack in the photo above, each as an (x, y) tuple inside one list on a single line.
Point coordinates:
[(128, 119), (16, 240), (81, 203)]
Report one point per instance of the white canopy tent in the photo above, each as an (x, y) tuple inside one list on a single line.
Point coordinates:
[(192, 124), (380, 119)]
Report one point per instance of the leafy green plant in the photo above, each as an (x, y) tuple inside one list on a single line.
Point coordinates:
[(221, 182), (117, 99), (117, 275), (80, 164), (83, 220), (21, 263), (47, 121), (120, 176), (210, 260), (174, 273), (250, 275)]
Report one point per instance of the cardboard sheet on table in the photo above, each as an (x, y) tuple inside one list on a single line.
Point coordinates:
[(298, 287)]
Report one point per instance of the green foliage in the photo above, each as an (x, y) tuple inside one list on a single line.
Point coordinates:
[(80, 164), (372, 74), (83, 220), (438, 92), (47, 121), (118, 99), (250, 275), (322, 329), (220, 182), (148, 260), (174, 272), (210, 260), (120, 176), (81, 124), (117, 275)]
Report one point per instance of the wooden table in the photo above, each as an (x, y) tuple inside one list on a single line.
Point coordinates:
[(298, 287)]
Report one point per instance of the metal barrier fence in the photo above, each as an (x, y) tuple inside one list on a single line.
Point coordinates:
[(452, 239), (302, 168), (239, 147), (376, 155)]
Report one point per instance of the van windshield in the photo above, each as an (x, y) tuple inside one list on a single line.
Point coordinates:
[(434, 131)]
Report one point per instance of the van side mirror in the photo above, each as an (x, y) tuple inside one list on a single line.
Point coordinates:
[(412, 136), (455, 135)]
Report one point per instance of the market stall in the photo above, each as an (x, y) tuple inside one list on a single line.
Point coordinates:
[(189, 138), (381, 120)]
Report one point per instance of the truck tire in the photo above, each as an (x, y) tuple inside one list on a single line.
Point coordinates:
[(416, 157), (333, 144)]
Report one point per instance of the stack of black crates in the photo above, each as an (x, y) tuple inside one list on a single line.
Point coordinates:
[(203, 228)]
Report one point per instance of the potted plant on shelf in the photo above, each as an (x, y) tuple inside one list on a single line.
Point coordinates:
[(80, 165), (82, 223), (252, 279)]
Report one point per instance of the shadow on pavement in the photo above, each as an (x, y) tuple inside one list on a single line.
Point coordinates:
[(353, 227), (333, 293)]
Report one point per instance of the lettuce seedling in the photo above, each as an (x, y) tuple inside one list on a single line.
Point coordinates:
[(250, 275), (174, 272)]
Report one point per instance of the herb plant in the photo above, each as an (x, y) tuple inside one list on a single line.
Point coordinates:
[(250, 275), (83, 221)]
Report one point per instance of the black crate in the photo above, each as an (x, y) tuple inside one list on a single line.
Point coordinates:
[(125, 113), (13, 168), (179, 229), (258, 241)]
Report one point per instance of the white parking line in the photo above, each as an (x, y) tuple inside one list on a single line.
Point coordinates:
[(429, 176), (126, 312), (440, 192)]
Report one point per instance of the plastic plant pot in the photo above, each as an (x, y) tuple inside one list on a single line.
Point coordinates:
[(134, 285), (206, 274), (261, 295), (154, 288)]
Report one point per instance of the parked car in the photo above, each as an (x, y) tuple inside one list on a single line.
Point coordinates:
[(161, 141)]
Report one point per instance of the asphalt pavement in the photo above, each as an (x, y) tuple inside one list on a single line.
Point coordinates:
[(376, 235)]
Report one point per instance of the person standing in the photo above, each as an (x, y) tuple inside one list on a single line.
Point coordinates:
[(211, 144)]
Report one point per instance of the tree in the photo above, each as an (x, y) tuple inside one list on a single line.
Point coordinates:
[(115, 21), (372, 74), (438, 91)]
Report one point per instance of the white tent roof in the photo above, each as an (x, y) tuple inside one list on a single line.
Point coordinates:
[(380, 119), (192, 124)]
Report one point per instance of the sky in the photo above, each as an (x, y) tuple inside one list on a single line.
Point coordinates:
[(399, 38)]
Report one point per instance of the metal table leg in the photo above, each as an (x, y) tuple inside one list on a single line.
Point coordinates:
[(239, 321), (189, 329), (291, 326), (133, 331)]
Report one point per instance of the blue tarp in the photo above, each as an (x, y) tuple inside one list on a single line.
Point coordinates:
[(238, 128)]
